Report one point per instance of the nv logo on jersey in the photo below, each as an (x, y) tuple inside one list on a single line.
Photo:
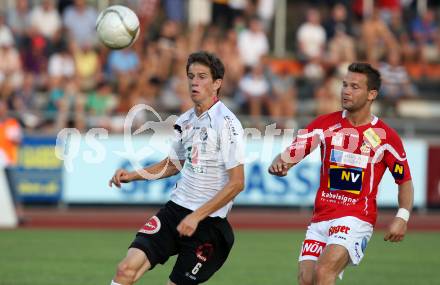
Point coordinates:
[(345, 179), (398, 171)]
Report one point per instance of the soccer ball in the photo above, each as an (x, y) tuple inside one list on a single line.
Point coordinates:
[(117, 27)]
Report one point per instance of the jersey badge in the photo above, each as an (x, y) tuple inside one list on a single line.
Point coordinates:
[(365, 148), (372, 137), (203, 138), (203, 134)]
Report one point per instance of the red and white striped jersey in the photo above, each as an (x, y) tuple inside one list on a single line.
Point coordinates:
[(354, 160)]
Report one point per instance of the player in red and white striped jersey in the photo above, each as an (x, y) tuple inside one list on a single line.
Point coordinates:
[(356, 149)]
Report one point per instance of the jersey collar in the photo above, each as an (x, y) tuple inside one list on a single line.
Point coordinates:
[(373, 122)]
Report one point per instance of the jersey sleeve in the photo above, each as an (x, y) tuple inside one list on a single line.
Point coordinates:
[(395, 159), (231, 142), (306, 140), (177, 151)]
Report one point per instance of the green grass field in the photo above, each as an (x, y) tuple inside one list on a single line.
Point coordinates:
[(86, 257)]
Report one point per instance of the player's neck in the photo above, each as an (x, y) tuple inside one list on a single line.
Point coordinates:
[(359, 117), (204, 106)]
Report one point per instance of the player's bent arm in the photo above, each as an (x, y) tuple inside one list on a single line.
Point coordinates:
[(162, 169), (398, 226), (224, 196), (189, 224)]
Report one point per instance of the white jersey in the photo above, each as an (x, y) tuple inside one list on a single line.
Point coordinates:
[(210, 145)]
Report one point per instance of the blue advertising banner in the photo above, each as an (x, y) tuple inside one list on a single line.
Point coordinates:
[(94, 160), (38, 175)]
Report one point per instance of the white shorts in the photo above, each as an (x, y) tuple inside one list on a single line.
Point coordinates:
[(350, 232)]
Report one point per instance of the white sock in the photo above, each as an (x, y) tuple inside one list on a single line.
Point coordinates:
[(114, 283)]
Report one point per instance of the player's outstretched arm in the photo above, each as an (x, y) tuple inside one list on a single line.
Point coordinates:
[(398, 226), (189, 224), (162, 169)]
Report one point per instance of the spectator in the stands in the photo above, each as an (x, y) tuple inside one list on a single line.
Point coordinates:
[(238, 7), (61, 63), (18, 19), (400, 32), (6, 36), (174, 97), (327, 95), (166, 47), (387, 8), (10, 137), (311, 37), (80, 21), (35, 61), (45, 20), (377, 38), (284, 94), (24, 103), (221, 13), (425, 31), (396, 83), (255, 88), (11, 72), (88, 67), (339, 20), (100, 105), (253, 43), (342, 49), (124, 62), (175, 10), (266, 12), (195, 18), (66, 104), (228, 52)]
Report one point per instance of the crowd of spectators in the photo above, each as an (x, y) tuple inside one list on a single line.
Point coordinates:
[(54, 73)]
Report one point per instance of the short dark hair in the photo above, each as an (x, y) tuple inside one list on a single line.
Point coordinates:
[(373, 75), (208, 59)]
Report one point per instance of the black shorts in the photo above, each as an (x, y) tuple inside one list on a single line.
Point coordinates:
[(199, 256)]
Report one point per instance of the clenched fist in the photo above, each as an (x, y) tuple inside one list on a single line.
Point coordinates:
[(121, 176)]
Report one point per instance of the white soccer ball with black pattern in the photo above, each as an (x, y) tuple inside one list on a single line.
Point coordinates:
[(117, 27)]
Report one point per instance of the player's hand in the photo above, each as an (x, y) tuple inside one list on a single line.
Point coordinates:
[(121, 176), (188, 225), (396, 231), (278, 168)]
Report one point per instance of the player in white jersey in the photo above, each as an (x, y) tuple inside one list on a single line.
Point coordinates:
[(208, 151)]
